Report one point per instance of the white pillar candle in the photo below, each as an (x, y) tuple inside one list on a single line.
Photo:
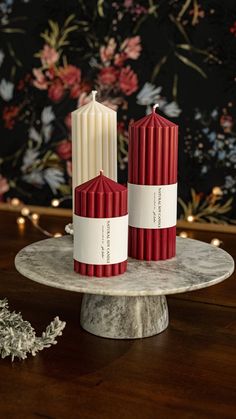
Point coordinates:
[(94, 142)]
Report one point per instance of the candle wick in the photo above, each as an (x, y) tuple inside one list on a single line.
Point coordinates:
[(154, 107), (94, 92)]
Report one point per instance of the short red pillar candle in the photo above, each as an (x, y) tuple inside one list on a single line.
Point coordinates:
[(101, 198), (153, 156)]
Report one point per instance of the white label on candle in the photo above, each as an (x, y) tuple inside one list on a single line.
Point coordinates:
[(100, 241), (152, 206)]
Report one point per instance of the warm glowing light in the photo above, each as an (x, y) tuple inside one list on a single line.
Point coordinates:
[(190, 218), (55, 203), (20, 221), (35, 217), (183, 234), (15, 202), (217, 191), (57, 235), (216, 242), (25, 211)]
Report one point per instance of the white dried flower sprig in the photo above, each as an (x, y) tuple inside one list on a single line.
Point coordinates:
[(18, 338)]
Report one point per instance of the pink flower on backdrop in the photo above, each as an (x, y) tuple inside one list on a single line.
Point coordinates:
[(22, 83), (132, 47), (4, 186), (68, 120), (128, 81), (110, 104), (49, 56), (40, 81), (69, 168), (120, 59), (139, 10), (70, 75), (64, 149), (75, 91), (233, 29), (84, 99), (9, 116), (56, 91), (226, 121), (128, 3), (50, 73), (107, 53), (108, 75)]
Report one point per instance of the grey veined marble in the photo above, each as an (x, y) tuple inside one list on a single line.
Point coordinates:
[(197, 265), (129, 305), (124, 317)]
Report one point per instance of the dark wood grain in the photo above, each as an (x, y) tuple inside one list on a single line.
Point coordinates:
[(188, 371)]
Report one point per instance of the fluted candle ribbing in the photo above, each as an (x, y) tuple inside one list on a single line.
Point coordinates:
[(94, 142), (101, 198), (153, 154)]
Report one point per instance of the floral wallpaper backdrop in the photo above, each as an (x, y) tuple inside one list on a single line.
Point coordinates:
[(179, 53)]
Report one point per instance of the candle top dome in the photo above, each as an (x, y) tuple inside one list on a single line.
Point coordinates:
[(93, 106), (100, 183), (153, 120)]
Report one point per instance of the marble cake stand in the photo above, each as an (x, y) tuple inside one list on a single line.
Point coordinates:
[(132, 305)]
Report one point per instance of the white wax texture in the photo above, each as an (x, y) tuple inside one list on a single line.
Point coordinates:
[(94, 142)]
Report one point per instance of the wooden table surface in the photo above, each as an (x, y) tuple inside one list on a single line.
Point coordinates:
[(188, 371)]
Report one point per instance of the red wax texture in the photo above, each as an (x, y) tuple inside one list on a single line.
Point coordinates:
[(153, 156), (100, 197)]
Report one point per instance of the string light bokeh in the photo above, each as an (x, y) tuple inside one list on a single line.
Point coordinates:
[(33, 217)]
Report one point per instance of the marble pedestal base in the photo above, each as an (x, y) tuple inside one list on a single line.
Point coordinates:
[(124, 317)]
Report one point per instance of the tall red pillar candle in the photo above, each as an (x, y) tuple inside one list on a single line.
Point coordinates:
[(100, 228), (152, 187)]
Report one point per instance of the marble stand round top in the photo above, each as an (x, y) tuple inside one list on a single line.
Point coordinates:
[(197, 265)]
